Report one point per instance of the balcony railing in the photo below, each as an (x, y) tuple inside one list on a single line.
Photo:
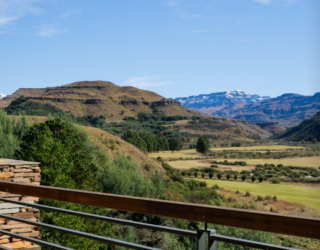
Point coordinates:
[(268, 222)]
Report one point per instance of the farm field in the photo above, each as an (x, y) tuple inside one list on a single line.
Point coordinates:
[(187, 153), (205, 164), (297, 193), (298, 161), (262, 148)]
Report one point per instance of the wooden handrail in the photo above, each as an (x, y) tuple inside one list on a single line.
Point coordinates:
[(262, 221)]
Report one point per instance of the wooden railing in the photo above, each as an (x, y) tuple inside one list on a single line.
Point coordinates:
[(262, 221)]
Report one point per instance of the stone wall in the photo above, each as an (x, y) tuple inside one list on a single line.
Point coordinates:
[(25, 173)]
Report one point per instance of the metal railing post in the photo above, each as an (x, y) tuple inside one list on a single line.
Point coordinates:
[(212, 243), (201, 239)]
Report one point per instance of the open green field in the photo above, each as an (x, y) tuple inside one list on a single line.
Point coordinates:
[(205, 164), (187, 153), (262, 148), (298, 193), (299, 161)]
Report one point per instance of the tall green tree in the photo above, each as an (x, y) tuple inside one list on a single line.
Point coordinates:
[(68, 160), (175, 144), (203, 145)]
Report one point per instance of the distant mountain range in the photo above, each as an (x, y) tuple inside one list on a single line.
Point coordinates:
[(209, 102), (2, 96), (288, 109), (214, 102)]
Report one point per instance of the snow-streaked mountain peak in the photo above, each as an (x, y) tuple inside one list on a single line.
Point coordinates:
[(226, 98), (2, 96)]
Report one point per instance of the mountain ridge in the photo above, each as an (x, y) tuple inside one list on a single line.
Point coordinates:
[(100, 98), (306, 130), (232, 97), (116, 104), (288, 109)]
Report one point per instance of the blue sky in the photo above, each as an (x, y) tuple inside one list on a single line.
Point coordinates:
[(172, 47)]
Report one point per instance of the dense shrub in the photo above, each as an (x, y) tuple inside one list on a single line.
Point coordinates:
[(11, 133), (145, 141), (275, 181)]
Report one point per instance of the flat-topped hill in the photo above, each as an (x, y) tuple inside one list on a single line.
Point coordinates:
[(101, 98)]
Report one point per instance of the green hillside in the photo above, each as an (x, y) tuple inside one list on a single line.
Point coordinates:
[(306, 130)]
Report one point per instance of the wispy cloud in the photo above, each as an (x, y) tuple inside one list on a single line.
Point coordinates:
[(13, 10), (180, 10), (70, 13), (8, 19), (196, 31), (146, 81), (49, 31), (269, 1), (263, 1), (172, 3)]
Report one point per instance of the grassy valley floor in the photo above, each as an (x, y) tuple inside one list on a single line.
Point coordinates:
[(308, 195), (187, 153), (313, 162), (263, 148)]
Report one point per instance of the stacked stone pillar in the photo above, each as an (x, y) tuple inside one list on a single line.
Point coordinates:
[(25, 173)]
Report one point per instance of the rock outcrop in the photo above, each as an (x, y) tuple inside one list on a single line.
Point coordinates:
[(25, 173)]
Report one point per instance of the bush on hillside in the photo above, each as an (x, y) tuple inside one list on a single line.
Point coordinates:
[(236, 144), (11, 133)]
